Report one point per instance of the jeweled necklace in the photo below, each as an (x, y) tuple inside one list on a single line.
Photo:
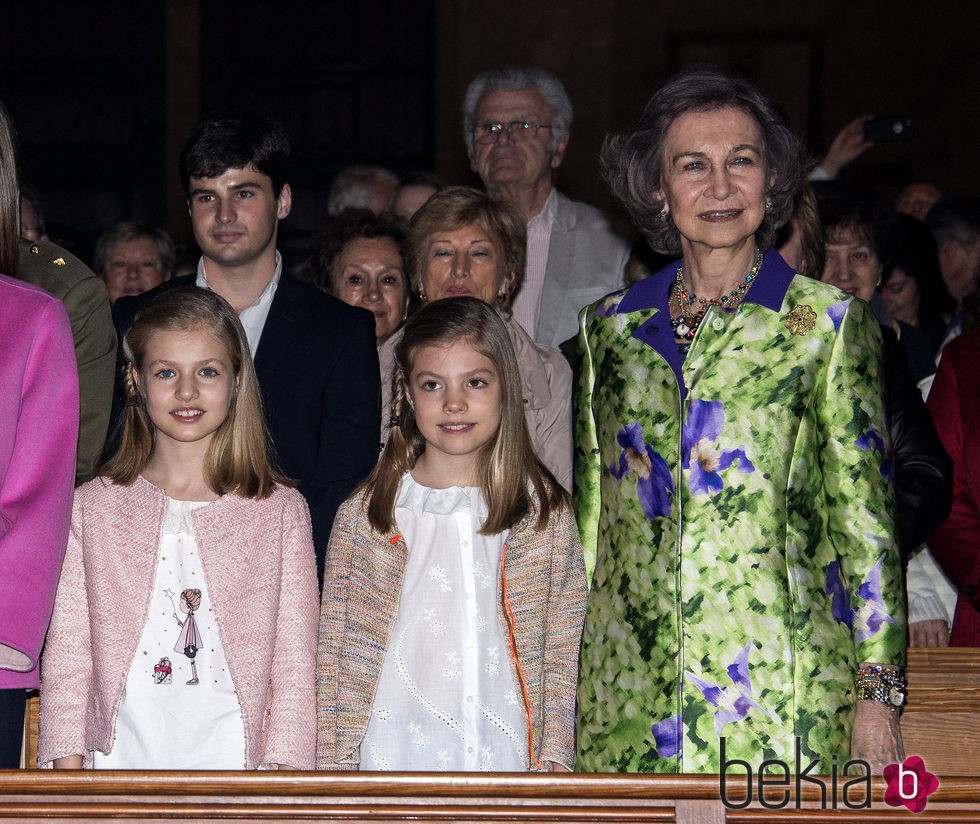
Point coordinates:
[(690, 309)]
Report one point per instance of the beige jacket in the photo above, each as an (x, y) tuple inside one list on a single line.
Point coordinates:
[(547, 383), (545, 576)]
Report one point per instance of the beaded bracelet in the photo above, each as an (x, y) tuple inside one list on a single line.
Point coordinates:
[(882, 684)]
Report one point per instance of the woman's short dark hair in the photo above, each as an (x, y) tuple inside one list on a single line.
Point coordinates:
[(339, 230), (633, 164), (916, 255), (865, 216)]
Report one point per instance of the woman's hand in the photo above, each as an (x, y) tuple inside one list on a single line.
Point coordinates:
[(554, 766), (876, 737), (849, 144), (932, 633), (69, 762)]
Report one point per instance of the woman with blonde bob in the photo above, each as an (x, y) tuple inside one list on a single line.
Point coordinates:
[(464, 243), (190, 503), (454, 591)]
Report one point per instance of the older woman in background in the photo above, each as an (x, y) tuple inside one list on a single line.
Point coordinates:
[(859, 239), (360, 262), (133, 257), (463, 242), (730, 469)]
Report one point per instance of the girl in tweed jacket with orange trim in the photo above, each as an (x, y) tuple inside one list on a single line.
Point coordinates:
[(454, 592), (184, 626)]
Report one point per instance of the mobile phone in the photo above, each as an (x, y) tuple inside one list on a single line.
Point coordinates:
[(888, 129)]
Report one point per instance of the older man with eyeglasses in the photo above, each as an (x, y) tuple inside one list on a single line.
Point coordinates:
[(516, 124)]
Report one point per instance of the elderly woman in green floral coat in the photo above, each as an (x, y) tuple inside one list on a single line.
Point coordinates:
[(732, 473)]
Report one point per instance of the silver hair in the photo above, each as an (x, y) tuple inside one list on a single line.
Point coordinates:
[(519, 79), (354, 186)]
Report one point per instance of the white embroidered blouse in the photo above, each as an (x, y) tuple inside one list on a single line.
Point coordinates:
[(448, 697)]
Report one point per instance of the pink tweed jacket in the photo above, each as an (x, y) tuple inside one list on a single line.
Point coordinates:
[(261, 578), (38, 430), (362, 585)]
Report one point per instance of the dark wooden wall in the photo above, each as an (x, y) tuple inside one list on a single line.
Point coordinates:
[(825, 62), (104, 92)]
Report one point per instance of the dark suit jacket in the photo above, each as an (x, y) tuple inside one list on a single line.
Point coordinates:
[(317, 365)]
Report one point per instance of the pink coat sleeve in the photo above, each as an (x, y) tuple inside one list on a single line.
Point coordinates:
[(38, 432), (67, 661), (290, 727)]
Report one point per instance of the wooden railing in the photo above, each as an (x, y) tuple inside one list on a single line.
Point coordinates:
[(941, 723), (372, 797)]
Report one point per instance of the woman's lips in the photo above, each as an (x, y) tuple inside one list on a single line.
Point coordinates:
[(721, 215)]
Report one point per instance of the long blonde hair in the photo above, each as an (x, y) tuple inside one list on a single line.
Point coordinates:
[(239, 458), (507, 464), (9, 195)]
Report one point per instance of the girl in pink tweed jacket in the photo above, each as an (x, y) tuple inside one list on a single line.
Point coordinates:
[(454, 591), (184, 626)]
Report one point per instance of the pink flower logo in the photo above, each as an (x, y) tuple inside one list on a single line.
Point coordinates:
[(909, 784)]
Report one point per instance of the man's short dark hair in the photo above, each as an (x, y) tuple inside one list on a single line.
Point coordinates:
[(234, 142)]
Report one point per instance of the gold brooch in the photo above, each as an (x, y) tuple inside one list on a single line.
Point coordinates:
[(35, 249), (60, 262), (801, 320)]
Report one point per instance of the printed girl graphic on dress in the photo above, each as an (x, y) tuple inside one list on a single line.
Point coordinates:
[(189, 641), (193, 457)]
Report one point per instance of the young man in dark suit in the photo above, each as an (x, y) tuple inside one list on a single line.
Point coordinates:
[(315, 356)]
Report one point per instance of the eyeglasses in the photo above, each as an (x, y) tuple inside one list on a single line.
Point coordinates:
[(487, 133)]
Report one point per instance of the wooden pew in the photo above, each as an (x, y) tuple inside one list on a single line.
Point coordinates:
[(941, 723)]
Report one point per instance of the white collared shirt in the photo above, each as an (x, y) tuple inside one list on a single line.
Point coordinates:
[(253, 317), (527, 304)]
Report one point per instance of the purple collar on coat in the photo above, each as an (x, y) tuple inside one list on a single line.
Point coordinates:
[(768, 290)]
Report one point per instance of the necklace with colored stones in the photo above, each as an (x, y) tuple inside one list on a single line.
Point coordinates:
[(687, 310)]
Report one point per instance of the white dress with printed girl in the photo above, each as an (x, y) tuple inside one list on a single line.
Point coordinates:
[(447, 698), (179, 709)]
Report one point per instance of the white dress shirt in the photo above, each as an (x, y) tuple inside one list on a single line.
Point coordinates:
[(527, 304), (253, 317)]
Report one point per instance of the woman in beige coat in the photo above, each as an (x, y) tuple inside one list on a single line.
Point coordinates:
[(460, 243)]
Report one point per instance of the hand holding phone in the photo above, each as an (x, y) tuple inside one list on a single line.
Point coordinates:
[(888, 129)]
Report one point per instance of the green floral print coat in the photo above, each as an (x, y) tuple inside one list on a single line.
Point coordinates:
[(736, 507)]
